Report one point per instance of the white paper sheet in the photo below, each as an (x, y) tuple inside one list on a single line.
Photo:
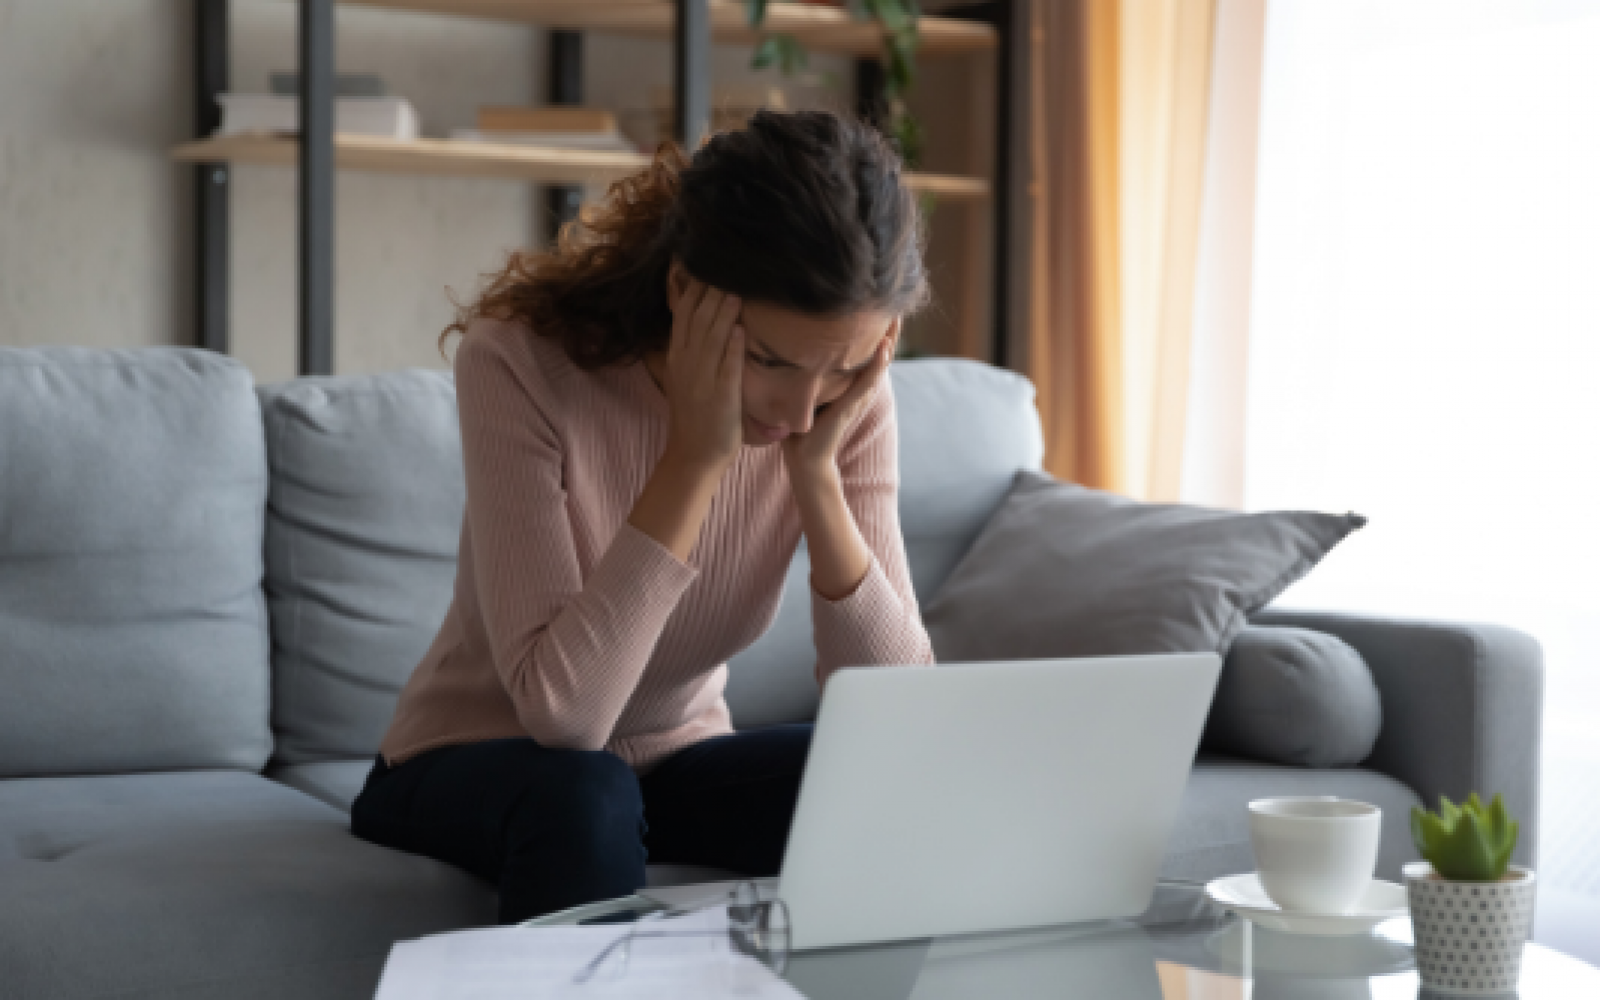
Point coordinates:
[(506, 962)]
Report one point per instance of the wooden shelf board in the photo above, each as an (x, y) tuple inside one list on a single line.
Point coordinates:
[(457, 158), (822, 29)]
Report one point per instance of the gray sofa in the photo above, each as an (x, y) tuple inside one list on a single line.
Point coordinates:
[(210, 594)]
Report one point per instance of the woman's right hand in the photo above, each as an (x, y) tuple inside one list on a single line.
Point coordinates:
[(705, 364)]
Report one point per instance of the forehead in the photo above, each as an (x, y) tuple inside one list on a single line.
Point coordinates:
[(812, 341)]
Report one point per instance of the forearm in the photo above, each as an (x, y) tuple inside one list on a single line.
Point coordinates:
[(840, 557), (571, 680), (675, 502), (571, 684)]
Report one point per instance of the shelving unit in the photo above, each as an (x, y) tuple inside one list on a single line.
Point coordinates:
[(822, 29), (482, 159), (693, 25)]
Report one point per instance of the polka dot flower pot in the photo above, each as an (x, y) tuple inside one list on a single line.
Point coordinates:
[(1469, 935)]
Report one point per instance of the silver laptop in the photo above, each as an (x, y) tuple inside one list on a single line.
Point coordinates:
[(971, 797)]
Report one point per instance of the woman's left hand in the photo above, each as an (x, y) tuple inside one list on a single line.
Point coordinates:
[(816, 451)]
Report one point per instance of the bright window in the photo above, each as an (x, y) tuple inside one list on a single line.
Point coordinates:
[(1425, 334)]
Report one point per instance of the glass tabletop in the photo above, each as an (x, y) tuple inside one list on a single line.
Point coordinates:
[(1184, 947)]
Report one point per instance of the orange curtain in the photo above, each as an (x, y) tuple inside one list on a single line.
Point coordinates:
[(1116, 124)]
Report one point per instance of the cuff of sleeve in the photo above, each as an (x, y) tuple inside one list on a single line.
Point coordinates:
[(869, 626)]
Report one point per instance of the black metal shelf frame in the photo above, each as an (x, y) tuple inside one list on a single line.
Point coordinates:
[(692, 87), (692, 116)]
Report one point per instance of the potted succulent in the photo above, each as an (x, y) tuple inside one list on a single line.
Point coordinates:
[(1471, 909)]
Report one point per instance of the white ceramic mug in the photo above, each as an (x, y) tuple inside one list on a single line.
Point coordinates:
[(1315, 854)]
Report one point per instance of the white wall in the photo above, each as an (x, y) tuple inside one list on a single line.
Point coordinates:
[(399, 240), (96, 222)]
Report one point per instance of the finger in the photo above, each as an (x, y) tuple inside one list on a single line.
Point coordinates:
[(727, 317), (869, 378), (705, 315), (728, 375), (683, 315)]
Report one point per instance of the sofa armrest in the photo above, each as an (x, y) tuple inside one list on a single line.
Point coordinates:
[(1462, 707)]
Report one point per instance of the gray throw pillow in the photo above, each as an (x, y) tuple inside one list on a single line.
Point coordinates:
[(1294, 696), (1062, 570)]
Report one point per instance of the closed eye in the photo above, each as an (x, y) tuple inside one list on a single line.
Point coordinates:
[(768, 362)]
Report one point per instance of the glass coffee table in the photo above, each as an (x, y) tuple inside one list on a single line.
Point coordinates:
[(1183, 948)]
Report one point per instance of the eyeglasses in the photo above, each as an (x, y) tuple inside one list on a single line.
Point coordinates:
[(757, 927)]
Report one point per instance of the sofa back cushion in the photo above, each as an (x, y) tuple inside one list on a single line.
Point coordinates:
[(965, 430), (363, 527), (133, 632)]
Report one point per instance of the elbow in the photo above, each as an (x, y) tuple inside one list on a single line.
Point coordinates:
[(557, 724), (556, 721)]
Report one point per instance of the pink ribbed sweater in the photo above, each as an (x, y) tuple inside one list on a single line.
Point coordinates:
[(573, 627)]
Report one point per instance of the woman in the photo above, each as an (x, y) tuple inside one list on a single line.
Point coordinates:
[(651, 417)]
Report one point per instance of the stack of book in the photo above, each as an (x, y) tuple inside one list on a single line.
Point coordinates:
[(390, 117), (555, 127)]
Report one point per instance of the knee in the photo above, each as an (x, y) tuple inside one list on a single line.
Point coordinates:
[(593, 795)]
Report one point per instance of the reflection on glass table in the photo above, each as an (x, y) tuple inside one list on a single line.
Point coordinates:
[(1183, 947)]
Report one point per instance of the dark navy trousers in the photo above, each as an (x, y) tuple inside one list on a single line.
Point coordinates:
[(558, 828)]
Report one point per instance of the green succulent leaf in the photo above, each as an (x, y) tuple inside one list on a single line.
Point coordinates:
[(1448, 811), (1469, 843)]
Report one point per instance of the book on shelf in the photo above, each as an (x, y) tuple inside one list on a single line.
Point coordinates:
[(556, 127), (614, 142), (388, 117)]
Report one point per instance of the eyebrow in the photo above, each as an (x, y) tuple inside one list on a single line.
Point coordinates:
[(780, 358)]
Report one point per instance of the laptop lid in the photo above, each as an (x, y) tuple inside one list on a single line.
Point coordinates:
[(973, 797)]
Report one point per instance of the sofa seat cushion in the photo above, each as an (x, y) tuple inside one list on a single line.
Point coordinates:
[(336, 782), (205, 883), (1212, 835)]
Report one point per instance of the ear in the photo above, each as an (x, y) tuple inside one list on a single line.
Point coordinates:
[(677, 282)]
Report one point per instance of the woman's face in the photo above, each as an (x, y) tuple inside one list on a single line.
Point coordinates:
[(797, 364)]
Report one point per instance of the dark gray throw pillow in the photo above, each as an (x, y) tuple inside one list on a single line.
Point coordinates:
[(1062, 570), (1294, 696)]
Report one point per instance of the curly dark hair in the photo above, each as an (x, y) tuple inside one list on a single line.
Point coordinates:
[(804, 210)]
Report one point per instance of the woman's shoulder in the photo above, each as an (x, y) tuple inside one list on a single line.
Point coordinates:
[(515, 343), (504, 351), (511, 349)]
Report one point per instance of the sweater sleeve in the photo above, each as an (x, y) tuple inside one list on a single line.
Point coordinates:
[(878, 622), (568, 650)]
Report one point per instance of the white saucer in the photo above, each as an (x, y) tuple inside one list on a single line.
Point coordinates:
[(1244, 895)]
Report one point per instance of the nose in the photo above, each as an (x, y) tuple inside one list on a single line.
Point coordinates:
[(800, 406)]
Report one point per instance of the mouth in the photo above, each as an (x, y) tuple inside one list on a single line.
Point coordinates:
[(765, 432)]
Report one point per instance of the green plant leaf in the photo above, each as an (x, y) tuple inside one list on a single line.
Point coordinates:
[(1448, 812), (1419, 830), (792, 55), (756, 12), (1470, 843), (766, 53), (784, 51)]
